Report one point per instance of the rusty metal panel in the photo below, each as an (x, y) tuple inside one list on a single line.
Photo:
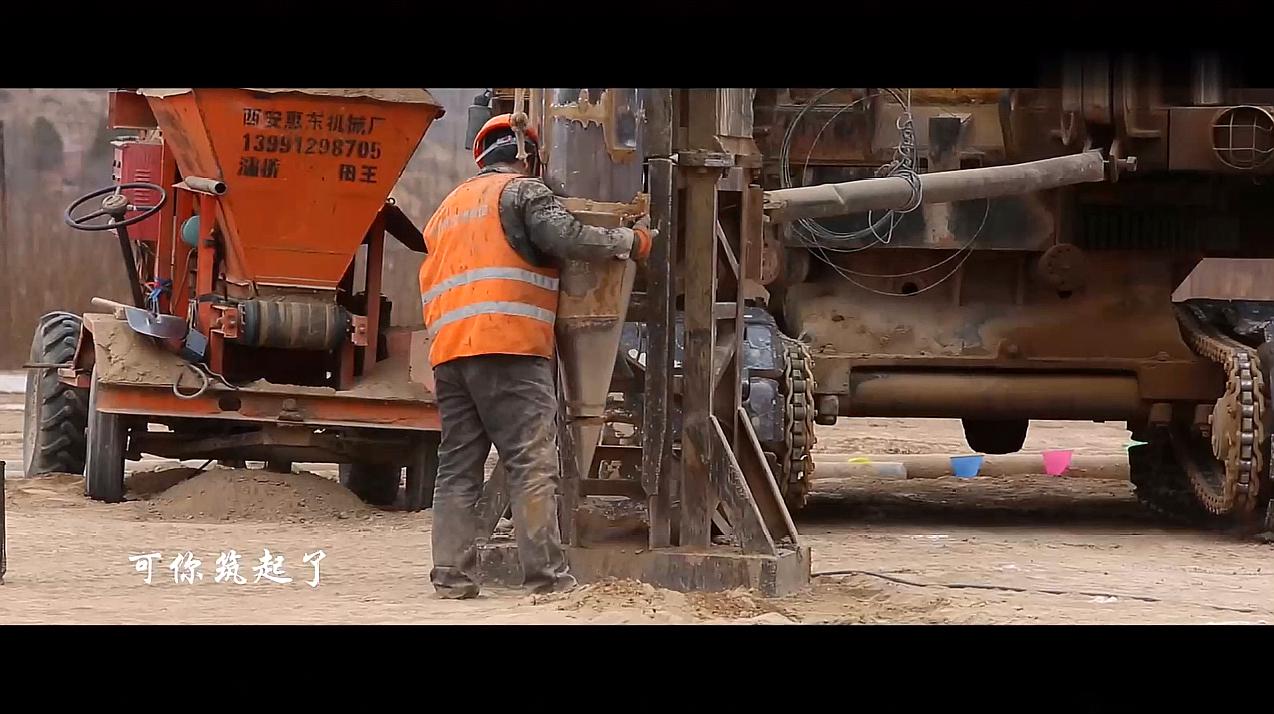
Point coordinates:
[(998, 313), (825, 135), (983, 136), (840, 132), (130, 110), (594, 143), (996, 305)]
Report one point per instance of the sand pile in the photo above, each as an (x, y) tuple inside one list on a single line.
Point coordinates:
[(145, 485), (630, 602), (257, 495), (734, 605), (611, 593)]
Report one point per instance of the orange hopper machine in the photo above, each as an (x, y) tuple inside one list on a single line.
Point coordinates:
[(254, 331)]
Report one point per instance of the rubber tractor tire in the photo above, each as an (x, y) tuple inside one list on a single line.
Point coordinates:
[(107, 441), (55, 417), (995, 436)]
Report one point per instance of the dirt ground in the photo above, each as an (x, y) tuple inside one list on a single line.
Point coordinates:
[(1018, 548)]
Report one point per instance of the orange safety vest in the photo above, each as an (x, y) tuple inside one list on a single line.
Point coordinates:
[(479, 296)]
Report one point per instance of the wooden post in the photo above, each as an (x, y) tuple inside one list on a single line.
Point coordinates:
[(700, 221), (660, 318), (751, 236), (728, 392)]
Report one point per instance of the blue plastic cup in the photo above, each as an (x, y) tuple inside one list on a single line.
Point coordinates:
[(966, 466)]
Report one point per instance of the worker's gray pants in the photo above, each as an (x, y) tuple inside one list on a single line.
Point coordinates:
[(510, 401)]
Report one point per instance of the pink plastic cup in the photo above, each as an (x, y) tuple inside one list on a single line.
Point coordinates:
[(1056, 462)]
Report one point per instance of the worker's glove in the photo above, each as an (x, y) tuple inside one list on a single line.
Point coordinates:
[(643, 238)]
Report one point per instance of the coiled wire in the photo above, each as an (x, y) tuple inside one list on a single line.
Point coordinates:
[(809, 232), (820, 240)]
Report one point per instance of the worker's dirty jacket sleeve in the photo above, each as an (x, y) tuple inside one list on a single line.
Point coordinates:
[(539, 226)]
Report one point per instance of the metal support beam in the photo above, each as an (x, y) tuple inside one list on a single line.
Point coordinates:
[(372, 281), (736, 496), (570, 466)]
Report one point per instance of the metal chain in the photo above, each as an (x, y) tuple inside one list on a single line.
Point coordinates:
[(1238, 419), (797, 463)]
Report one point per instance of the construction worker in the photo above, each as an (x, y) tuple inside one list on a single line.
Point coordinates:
[(489, 290)]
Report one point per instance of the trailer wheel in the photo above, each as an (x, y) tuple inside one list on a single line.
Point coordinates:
[(104, 465), (422, 474), (55, 415), (376, 484), (995, 436)]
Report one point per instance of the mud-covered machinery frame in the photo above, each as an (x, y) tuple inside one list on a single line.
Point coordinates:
[(278, 371)]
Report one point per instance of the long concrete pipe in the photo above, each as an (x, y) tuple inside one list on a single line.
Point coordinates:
[(883, 194)]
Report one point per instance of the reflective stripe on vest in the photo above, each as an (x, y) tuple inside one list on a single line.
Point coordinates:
[(496, 307), (478, 295), (473, 276)]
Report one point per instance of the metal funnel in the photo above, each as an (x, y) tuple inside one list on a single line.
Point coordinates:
[(592, 305)]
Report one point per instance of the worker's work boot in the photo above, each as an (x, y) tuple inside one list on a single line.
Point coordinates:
[(461, 593), (564, 583)]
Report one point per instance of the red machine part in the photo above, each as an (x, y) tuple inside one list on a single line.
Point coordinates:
[(140, 161)]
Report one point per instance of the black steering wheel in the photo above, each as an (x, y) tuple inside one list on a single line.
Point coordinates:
[(116, 206)]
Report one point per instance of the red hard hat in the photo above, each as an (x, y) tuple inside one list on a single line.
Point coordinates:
[(500, 122)]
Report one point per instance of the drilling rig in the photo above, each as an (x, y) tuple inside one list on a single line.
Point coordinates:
[(990, 255)]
